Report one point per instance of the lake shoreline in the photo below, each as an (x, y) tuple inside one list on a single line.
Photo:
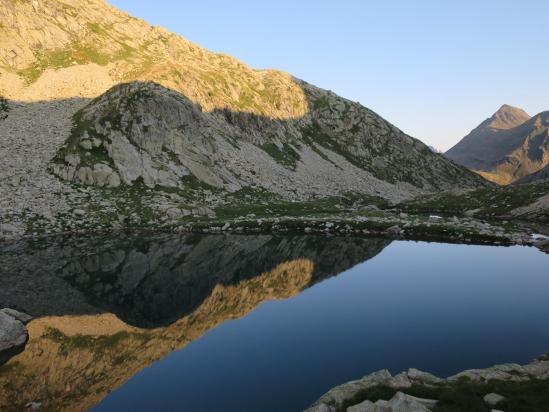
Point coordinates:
[(432, 228)]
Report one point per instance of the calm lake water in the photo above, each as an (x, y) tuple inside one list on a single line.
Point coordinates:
[(257, 323)]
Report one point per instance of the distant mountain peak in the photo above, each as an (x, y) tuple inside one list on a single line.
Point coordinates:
[(507, 117)]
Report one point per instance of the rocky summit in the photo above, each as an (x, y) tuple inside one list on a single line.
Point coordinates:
[(96, 104), (508, 147)]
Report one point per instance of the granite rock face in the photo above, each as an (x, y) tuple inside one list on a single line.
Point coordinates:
[(144, 132)]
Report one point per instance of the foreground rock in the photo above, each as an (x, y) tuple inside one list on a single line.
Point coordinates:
[(13, 333), (356, 392)]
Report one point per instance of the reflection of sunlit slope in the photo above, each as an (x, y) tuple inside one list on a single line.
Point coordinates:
[(71, 362)]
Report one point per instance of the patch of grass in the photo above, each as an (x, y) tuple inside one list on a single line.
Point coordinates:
[(4, 108), (100, 345), (317, 207), (491, 202), (286, 155), (321, 103)]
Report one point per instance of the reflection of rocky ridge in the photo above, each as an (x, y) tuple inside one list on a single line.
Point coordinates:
[(198, 281), (153, 282)]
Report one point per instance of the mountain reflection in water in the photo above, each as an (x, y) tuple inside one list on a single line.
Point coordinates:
[(106, 307)]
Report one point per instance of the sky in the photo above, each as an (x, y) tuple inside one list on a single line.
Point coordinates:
[(435, 69)]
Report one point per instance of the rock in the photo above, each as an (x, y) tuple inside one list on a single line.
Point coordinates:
[(13, 333), (338, 395), (393, 230), (79, 212), (471, 213), (366, 406), (417, 376), (505, 372), (492, 399), (20, 316), (398, 403), (86, 144), (34, 406), (321, 408), (11, 228)]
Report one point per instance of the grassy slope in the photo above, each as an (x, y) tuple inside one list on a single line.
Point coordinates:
[(493, 202)]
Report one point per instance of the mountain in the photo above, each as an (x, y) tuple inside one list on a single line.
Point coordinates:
[(506, 147), (98, 103), (540, 175)]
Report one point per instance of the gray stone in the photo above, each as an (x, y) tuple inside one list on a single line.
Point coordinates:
[(492, 399), (20, 316), (86, 145), (13, 333), (398, 403)]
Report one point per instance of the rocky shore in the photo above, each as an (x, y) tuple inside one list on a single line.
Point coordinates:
[(382, 392)]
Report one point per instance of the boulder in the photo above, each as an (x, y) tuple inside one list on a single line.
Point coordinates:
[(492, 399), (338, 395), (398, 403), (13, 333)]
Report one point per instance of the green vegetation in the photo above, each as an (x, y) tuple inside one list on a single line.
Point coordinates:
[(97, 344), (286, 155), (4, 108), (88, 157), (466, 395), (317, 207), (321, 103), (79, 52), (76, 53), (493, 202)]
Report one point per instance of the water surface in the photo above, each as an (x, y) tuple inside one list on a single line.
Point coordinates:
[(249, 323)]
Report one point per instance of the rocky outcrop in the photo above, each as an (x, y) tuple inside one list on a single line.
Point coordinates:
[(509, 147), (144, 132), (335, 399), (13, 334)]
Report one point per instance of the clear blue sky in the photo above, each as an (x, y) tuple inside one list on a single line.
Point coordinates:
[(433, 68)]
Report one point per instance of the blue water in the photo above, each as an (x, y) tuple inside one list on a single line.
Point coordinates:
[(437, 307)]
